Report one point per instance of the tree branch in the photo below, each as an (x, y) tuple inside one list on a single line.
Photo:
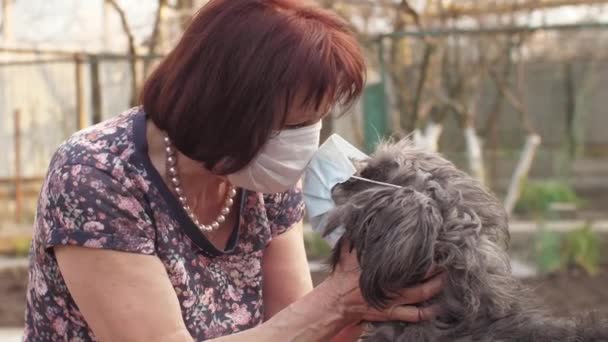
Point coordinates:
[(132, 52), (445, 100), (514, 101), (155, 36), (410, 11), (424, 69)]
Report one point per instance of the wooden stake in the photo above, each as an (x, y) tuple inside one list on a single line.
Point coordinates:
[(96, 90), (82, 121), (17, 146), (8, 36)]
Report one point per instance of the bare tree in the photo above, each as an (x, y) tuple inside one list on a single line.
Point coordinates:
[(184, 8), (469, 77), (131, 52), (155, 37)]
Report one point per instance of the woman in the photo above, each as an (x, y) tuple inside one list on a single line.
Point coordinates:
[(180, 220)]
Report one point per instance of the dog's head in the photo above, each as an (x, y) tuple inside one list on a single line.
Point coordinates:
[(441, 217)]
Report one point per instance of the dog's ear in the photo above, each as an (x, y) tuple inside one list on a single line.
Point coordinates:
[(393, 232)]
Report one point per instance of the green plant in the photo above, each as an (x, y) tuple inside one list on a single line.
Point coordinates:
[(316, 247), (557, 252), (548, 248), (537, 197), (582, 248)]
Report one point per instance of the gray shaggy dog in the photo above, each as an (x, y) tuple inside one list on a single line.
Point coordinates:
[(440, 218)]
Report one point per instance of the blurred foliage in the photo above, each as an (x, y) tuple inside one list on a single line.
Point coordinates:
[(537, 197), (557, 252), (582, 249), (316, 247), (18, 246), (548, 251)]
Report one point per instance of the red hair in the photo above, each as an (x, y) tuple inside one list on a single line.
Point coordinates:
[(236, 72)]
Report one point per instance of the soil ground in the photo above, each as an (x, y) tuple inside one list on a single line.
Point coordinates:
[(13, 283)]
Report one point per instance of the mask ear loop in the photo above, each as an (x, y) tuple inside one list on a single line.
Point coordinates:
[(376, 182)]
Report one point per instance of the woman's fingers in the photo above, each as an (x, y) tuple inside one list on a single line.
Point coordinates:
[(405, 313), (422, 292), (432, 272), (413, 314)]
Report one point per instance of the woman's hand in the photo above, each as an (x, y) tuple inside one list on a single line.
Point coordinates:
[(344, 285)]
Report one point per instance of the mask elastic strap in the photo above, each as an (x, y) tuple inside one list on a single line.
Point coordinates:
[(376, 182)]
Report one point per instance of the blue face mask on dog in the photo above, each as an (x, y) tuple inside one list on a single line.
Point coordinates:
[(332, 164)]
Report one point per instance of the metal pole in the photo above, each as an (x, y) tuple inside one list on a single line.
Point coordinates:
[(383, 80), (381, 62), (495, 30), (17, 146)]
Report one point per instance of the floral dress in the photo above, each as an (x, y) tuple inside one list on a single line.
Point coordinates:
[(101, 191)]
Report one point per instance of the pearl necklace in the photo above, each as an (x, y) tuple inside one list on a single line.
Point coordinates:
[(176, 184)]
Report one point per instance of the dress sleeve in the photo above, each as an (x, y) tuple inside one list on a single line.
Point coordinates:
[(284, 210), (85, 206)]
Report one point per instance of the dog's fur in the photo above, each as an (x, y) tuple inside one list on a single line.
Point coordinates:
[(440, 218)]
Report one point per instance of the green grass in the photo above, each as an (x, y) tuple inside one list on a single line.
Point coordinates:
[(316, 247)]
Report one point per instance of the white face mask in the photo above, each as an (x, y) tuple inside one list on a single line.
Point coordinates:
[(282, 161)]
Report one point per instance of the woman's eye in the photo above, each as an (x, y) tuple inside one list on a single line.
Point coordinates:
[(296, 126), (302, 124)]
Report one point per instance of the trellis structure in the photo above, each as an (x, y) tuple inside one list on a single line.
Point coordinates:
[(380, 122), (377, 116)]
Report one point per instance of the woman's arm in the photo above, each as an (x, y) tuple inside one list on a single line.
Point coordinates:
[(123, 296), (287, 277), (286, 272), (128, 297)]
